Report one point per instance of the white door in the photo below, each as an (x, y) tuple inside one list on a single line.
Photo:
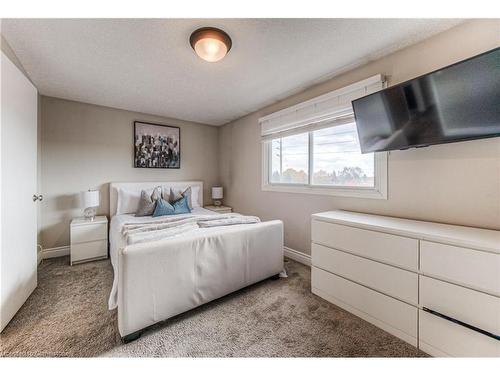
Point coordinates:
[(18, 163)]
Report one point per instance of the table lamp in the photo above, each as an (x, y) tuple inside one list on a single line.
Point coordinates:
[(91, 201), (217, 194)]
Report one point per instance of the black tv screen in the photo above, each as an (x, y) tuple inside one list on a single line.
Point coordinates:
[(456, 103)]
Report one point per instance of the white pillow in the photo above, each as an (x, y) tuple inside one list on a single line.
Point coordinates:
[(128, 200)]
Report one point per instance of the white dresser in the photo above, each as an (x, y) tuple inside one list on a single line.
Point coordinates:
[(435, 286), (89, 239)]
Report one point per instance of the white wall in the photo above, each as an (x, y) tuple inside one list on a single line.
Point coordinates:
[(455, 183), (87, 146)]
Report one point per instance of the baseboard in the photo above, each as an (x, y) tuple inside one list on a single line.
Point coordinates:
[(55, 252), (297, 256)]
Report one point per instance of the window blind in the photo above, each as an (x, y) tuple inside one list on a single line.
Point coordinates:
[(331, 109)]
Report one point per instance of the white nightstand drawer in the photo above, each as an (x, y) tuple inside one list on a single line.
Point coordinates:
[(89, 250), (375, 275), (475, 269), (89, 232)]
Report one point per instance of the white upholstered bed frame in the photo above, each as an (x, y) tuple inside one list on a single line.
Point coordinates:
[(161, 279)]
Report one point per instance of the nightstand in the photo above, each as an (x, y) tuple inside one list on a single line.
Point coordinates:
[(89, 239), (219, 209)]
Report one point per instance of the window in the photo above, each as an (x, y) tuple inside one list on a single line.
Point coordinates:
[(313, 147), (337, 158), (290, 160), (327, 161)]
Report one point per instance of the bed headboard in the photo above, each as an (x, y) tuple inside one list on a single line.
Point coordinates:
[(138, 186)]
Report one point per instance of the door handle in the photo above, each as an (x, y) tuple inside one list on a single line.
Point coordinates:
[(37, 197)]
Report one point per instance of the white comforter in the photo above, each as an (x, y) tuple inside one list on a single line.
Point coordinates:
[(170, 226), (119, 236)]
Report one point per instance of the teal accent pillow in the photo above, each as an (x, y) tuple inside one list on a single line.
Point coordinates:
[(163, 208), (181, 206)]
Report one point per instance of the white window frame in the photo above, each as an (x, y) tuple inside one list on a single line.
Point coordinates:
[(303, 118), (378, 191)]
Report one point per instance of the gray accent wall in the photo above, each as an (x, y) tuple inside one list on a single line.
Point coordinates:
[(455, 183), (84, 146)]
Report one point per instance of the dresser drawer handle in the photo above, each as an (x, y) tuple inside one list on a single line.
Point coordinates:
[(453, 320)]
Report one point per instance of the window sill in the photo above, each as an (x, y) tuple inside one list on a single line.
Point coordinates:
[(371, 193)]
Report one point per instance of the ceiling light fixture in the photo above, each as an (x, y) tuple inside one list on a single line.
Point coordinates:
[(210, 44)]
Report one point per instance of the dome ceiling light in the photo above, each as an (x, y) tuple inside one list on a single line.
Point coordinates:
[(210, 43)]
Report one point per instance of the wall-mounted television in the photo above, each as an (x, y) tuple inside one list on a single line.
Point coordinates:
[(456, 103)]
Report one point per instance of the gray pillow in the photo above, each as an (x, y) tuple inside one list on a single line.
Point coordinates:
[(176, 195), (187, 193), (147, 203)]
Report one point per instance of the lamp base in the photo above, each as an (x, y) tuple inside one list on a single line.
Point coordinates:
[(217, 203), (89, 213)]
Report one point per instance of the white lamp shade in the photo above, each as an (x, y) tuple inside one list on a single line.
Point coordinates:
[(217, 193), (90, 198)]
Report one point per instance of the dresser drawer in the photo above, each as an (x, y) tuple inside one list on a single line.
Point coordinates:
[(372, 274), (396, 317), (440, 337), (469, 306), (388, 248), (475, 269), (89, 250), (89, 232)]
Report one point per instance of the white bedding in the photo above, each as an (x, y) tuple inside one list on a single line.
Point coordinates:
[(117, 240), (173, 225)]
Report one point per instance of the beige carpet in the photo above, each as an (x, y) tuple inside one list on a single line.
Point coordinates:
[(67, 316)]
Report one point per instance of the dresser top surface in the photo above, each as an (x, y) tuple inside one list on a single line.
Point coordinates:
[(210, 207), (475, 238), (82, 221)]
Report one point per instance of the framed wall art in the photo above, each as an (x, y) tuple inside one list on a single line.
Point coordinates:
[(156, 145)]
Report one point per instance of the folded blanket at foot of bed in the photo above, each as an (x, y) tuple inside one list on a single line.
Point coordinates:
[(172, 226)]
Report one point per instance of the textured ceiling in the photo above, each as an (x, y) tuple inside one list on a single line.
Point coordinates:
[(148, 66)]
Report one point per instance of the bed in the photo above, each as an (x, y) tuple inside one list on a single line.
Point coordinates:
[(156, 280)]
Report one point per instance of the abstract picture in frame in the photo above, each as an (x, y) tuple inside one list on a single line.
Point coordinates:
[(156, 145)]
